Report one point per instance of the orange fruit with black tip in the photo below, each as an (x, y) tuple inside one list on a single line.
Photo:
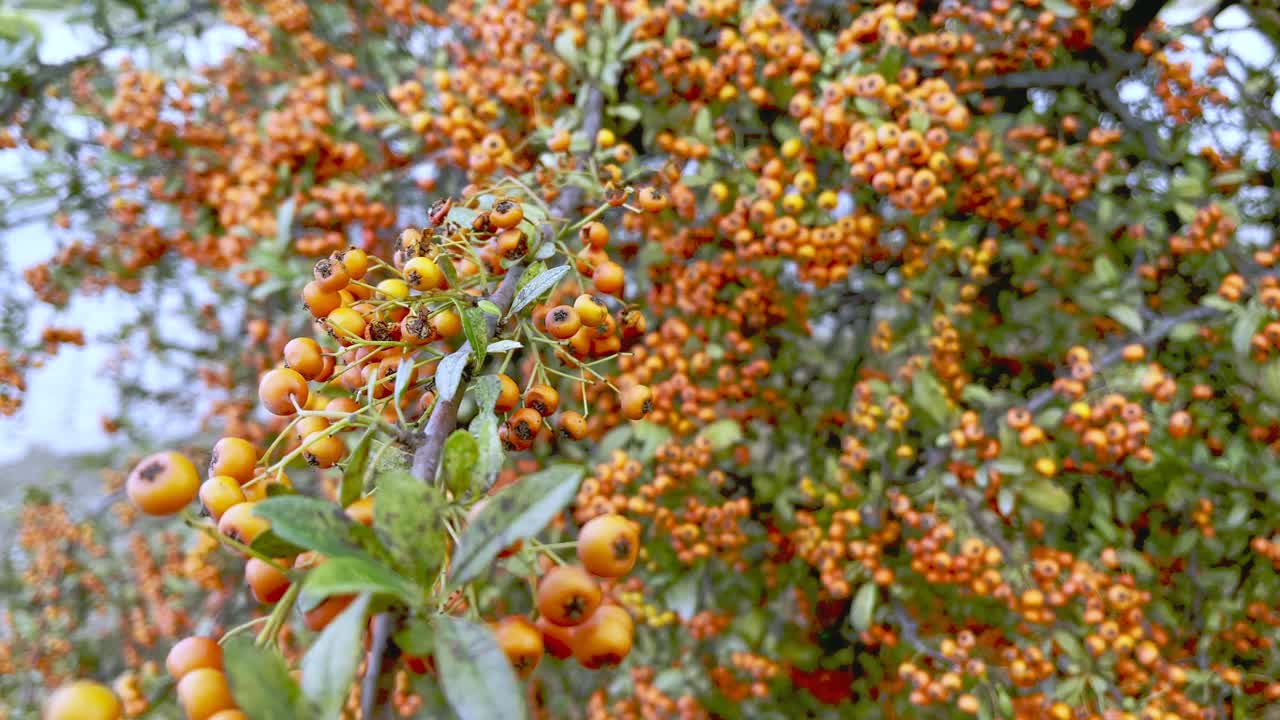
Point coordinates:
[(331, 274), (604, 640), (521, 642), (567, 595), (608, 545), (508, 394), (240, 523), (163, 483), (562, 322), (572, 425), (637, 402), (83, 700), (193, 653), (542, 398)]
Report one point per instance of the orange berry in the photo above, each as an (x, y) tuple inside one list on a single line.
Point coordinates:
[(163, 483)]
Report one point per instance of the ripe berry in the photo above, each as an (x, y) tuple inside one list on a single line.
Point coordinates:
[(590, 310), (240, 524), (305, 356), (572, 425), (83, 700), (355, 260), (423, 274), (323, 451), (234, 457), (542, 398), (163, 483), (280, 389), (447, 323), (203, 693), (637, 401), (556, 639), (193, 653), (331, 274), (345, 324), (523, 425), (506, 214), (266, 583), (653, 200), (318, 301), (508, 394), (567, 595), (521, 642), (218, 494), (608, 545), (604, 640), (562, 322)]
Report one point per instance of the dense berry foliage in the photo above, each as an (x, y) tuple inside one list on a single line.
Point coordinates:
[(638, 359)]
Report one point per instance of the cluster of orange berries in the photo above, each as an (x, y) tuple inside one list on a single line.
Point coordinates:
[(1114, 428), (646, 700), (572, 618)]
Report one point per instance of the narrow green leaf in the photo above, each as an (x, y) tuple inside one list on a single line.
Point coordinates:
[(317, 525), (347, 575), (722, 433), (484, 428), (330, 664), (862, 611), (488, 308), (503, 346), (357, 464), (260, 681), (1127, 316), (519, 511), (417, 637), (404, 373), (449, 371), (928, 396), (476, 328), (1042, 494), (537, 287), (475, 674), (461, 455), (487, 390), (409, 516)]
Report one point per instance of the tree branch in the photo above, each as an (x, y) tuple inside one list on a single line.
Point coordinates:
[(1136, 19)]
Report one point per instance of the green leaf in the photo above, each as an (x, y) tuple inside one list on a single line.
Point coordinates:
[(722, 433), (476, 328), (474, 672), (928, 396), (538, 286), (682, 596), (449, 371), (330, 664), (461, 458), (1042, 494), (1271, 380), (488, 308), (353, 473), (317, 525), (627, 112), (484, 428), (417, 637), (519, 511), (862, 611), (1246, 325), (1061, 8), (1104, 271), (702, 124), (272, 545), (487, 390), (503, 346), (409, 516), (347, 575), (1127, 316), (260, 681)]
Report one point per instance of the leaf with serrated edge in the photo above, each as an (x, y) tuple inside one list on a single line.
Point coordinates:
[(519, 511)]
